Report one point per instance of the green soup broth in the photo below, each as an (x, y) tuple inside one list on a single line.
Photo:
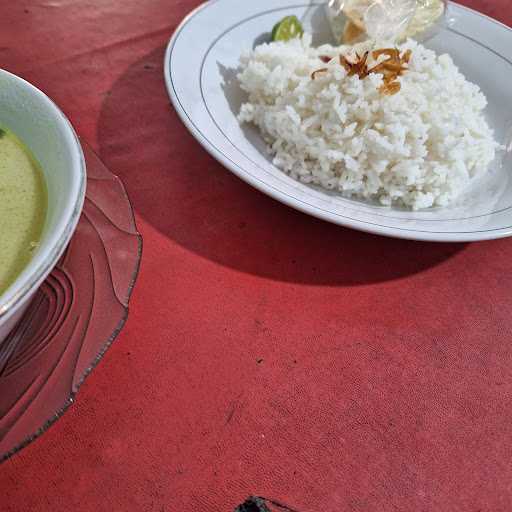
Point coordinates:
[(23, 206)]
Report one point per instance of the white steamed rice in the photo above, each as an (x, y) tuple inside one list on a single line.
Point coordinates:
[(418, 148)]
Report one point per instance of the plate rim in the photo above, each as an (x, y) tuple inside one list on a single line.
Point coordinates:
[(293, 202)]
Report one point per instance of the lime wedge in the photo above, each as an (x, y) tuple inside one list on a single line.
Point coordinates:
[(287, 29)]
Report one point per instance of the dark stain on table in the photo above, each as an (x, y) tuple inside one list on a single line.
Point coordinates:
[(260, 504)]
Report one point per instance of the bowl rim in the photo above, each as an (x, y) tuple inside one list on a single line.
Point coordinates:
[(34, 273)]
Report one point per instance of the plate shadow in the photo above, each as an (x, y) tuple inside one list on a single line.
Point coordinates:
[(190, 198)]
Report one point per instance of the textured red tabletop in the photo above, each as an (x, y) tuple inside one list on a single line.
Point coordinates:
[(266, 352)]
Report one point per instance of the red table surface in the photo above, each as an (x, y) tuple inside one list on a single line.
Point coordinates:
[(266, 352)]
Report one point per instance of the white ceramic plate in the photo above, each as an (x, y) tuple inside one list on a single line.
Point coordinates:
[(200, 73)]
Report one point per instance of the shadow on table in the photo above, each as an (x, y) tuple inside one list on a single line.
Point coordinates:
[(190, 198)]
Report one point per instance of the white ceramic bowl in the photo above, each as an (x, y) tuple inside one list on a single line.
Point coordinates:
[(31, 115)]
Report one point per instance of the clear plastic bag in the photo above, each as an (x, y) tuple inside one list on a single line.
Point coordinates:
[(354, 21)]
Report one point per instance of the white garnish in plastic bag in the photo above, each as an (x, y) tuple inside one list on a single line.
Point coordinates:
[(391, 20), (387, 20)]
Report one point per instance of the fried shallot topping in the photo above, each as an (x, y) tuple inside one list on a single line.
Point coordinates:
[(355, 65), (391, 68), (318, 72)]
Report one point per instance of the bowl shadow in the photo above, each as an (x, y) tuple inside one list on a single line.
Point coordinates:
[(190, 198)]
